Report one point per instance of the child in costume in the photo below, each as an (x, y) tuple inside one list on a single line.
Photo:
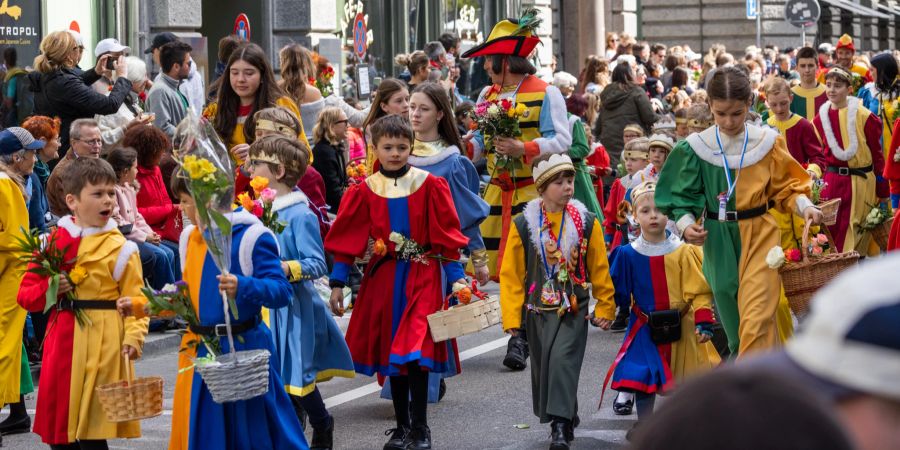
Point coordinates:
[(656, 276), (699, 118), (681, 120), (257, 280), (851, 137), (809, 95), (882, 98), (554, 250), (309, 345), (87, 340), (659, 146), (410, 216), (578, 151), (615, 224), (728, 177), (598, 164)]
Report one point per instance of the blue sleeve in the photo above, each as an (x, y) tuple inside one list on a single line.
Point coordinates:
[(11, 88), (268, 286), (470, 207), (311, 254), (618, 271), (454, 271), (340, 272)]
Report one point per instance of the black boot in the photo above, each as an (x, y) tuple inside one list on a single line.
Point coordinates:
[(558, 439), (621, 323), (516, 353), (399, 439), (570, 429), (442, 390), (18, 420), (419, 438), (323, 439)]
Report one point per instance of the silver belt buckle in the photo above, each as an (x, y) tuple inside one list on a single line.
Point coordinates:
[(221, 330), (845, 171)]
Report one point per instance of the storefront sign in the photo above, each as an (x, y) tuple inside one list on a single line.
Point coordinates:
[(20, 27)]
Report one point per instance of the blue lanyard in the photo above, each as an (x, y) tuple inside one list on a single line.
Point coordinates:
[(562, 222), (732, 185)]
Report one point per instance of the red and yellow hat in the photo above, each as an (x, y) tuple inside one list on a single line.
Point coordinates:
[(846, 42), (513, 37)]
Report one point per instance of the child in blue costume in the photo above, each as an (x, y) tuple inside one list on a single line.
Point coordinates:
[(256, 280), (310, 346)]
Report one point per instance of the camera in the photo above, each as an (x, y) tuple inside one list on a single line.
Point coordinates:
[(111, 62)]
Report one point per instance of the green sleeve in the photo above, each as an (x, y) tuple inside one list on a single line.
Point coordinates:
[(680, 188), (579, 148)]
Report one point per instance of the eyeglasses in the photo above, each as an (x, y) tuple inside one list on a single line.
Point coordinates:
[(342, 121), (92, 143)]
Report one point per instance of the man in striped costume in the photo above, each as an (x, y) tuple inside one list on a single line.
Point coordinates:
[(545, 129)]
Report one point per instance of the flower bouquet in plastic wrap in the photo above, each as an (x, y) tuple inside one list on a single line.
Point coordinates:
[(206, 164)]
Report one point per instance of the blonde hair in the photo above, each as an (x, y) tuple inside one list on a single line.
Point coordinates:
[(297, 67), (776, 86), (282, 116), (55, 48), (413, 61), (327, 118), (593, 108)]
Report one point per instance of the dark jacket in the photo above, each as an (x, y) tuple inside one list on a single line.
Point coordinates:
[(621, 106), (329, 161), (65, 94)]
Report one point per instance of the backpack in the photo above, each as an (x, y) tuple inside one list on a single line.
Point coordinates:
[(23, 103)]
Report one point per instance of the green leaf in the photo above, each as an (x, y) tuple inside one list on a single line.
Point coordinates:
[(221, 221), (52, 289)]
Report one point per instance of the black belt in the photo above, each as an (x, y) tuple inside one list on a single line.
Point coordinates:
[(67, 303), (847, 171), (221, 330), (734, 216)]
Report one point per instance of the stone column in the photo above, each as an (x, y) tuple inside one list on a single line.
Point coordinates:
[(582, 32)]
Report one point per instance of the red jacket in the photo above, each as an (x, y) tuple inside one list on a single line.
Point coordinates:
[(155, 205), (313, 185)]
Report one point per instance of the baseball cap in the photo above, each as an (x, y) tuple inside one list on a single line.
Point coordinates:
[(850, 342), (161, 39), (110, 45), (14, 139), (826, 48)]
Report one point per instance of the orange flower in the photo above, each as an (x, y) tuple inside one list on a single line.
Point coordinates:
[(259, 183), (464, 295), (473, 126), (361, 170), (379, 248), (246, 201), (351, 171)]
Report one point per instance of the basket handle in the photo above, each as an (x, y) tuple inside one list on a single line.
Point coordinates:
[(804, 249), (129, 376)]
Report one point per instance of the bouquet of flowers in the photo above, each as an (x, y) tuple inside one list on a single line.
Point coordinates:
[(262, 206), (877, 216), (818, 185), (323, 81), (356, 172), (46, 259), (500, 118), (777, 256), (173, 299), (406, 249)]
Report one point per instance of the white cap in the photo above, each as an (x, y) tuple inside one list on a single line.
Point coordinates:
[(852, 335), (553, 165), (110, 45)]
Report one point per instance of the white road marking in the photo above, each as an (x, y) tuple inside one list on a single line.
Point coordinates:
[(373, 387)]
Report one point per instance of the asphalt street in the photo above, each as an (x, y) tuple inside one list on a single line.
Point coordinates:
[(486, 407)]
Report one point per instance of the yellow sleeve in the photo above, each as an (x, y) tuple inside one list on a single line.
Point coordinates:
[(512, 281), (130, 286), (789, 180), (15, 214), (598, 268), (289, 104), (695, 289)]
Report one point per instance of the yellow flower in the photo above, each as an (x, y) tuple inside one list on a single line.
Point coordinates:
[(259, 183), (77, 275), (197, 168), (520, 109), (246, 201), (511, 112)]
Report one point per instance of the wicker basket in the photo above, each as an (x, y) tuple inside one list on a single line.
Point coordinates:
[(802, 279), (131, 399), (461, 320), (829, 211), (881, 232), (237, 376)]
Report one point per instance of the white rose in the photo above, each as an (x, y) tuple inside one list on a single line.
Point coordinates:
[(775, 258), (493, 110), (874, 216)]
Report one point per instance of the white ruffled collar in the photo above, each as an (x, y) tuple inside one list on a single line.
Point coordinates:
[(297, 196), (532, 213), (75, 230), (665, 247), (759, 143), (831, 139)]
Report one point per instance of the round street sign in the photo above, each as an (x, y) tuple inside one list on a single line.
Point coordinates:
[(802, 13), (242, 27), (359, 36)]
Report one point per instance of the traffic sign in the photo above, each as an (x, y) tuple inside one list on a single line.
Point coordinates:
[(802, 13), (359, 36), (242, 27), (752, 8)]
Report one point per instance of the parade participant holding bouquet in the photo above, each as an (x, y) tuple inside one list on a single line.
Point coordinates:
[(86, 341), (409, 214), (554, 250), (718, 186), (543, 127)]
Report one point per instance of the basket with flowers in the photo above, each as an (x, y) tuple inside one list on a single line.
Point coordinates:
[(878, 222), (473, 312)]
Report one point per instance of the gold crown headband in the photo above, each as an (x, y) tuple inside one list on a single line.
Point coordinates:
[(647, 187), (279, 128), (839, 71), (681, 120), (697, 123), (265, 157), (636, 154), (634, 128)]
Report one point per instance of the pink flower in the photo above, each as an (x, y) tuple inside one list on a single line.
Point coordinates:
[(821, 239), (267, 195), (793, 255), (481, 109), (817, 250)]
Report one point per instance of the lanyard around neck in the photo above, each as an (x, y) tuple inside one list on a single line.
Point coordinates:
[(732, 185)]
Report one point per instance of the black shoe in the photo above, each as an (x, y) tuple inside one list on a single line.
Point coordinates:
[(623, 408), (558, 439), (323, 439), (419, 438), (629, 435), (516, 353), (442, 390), (15, 426), (570, 428), (620, 324), (399, 439)]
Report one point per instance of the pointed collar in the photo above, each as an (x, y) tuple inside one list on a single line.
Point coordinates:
[(68, 223), (426, 154), (665, 247), (759, 144), (285, 201)]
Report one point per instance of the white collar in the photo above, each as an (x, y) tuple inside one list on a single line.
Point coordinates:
[(284, 201), (831, 140), (68, 223), (665, 247), (532, 213), (425, 161), (241, 217), (760, 142)]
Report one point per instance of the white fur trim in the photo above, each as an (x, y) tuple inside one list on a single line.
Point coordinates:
[(289, 200), (803, 203), (532, 213), (665, 247), (183, 243), (248, 242), (759, 144), (241, 217), (831, 140), (425, 161), (128, 249), (68, 223), (684, 222)]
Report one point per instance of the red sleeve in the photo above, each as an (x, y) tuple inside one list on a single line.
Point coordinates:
[(33, 291), (812, 148), (444, 232), (892, 167), (616, 194), (348, 237), (313, 185), (873, 130)]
